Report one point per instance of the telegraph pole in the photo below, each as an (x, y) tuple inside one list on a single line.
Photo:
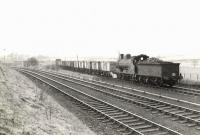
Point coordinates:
[(77, 60)]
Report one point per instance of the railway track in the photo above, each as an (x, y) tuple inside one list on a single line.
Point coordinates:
[(177, 89), (184, 115), (186, 90), (131, 89), (125, 122)]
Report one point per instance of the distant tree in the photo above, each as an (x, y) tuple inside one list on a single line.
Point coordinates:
[(32, 61)]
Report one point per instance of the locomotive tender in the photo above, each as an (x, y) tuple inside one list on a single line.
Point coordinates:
[(139, 68)]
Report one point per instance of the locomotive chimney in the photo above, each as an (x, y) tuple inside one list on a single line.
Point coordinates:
[(121, 56)]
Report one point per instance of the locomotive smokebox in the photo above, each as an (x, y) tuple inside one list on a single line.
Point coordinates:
[(128, 56)]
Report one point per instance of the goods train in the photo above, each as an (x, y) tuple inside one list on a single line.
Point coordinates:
[(140, 68)]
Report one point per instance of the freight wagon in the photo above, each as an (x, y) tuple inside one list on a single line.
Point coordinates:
[(58, 62)]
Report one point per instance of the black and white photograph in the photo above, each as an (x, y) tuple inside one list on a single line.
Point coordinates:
[(107, 67)]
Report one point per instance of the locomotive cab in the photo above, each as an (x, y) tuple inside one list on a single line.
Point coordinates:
[(141, 57)]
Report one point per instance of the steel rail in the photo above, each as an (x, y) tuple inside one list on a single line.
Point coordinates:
[(132, 89), (167, 108), (187, 90), (137, 90), (110, 116)]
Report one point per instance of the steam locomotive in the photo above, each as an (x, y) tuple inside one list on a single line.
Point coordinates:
[(140, 68)]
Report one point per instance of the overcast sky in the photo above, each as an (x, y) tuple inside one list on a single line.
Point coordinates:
[(100, 28)]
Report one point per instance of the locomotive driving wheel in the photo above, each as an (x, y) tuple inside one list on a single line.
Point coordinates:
[(139, 79), (160, 82), (147, 80)]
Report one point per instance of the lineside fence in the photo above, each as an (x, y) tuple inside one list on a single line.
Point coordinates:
[(190, 73)]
